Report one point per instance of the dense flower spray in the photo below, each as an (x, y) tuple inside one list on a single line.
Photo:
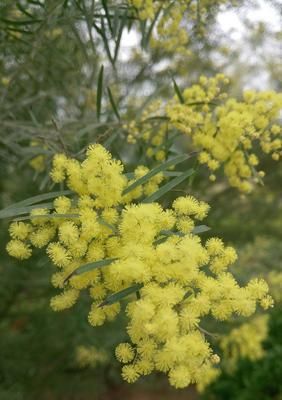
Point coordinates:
[(228, 133), (170, 33), (107, 240)]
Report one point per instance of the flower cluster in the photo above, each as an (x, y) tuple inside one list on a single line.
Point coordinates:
[(105, 240), (152, 131), (170, 33), (245, 341), (228, 133)]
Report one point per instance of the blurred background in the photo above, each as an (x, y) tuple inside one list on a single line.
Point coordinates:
[(51, 53)]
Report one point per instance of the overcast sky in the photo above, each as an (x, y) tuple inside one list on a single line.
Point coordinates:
[(234, 32)]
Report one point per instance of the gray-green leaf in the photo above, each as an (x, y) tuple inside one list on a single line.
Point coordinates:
[(120, 295), (174, 161), (168, 186)]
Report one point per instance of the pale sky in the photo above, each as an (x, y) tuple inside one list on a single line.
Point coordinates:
[(234, 32)]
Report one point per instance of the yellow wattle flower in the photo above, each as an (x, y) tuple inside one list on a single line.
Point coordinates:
[(143, 246)]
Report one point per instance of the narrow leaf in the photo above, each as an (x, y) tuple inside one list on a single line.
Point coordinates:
[(13, 212), (200, 229), (91, 266), (105, 223), (105, 39), (118, 40), (105, 6), (65, 4), (169, 233), (20, 22), (115, 22), (172, 173), (49, 216), (166, 233), (113, 104), (146, 39), (99, 92), (174, 161), (157, 117), (178, 92), (168, 186), (24, 11), (38, 198), (120, 295), (143, 31)]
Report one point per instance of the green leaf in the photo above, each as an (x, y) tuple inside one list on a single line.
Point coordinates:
[(105, 6), (118, 40), (166, 233), (47, 216), (115, 21), (38, 198), (169, 233), (199, 103), (146, 38), (142, 25), (24, 11), (178, 92), (168, 186), (99, 92), (65, 4), (200, 229), (157, 118), (120, 295), (113, 104), (196, 230), (91, 266), (174, 161), (20, 22), (172, 173), (13, 212), (189, 293), (161, 240), (101, 32), (105, 223)]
